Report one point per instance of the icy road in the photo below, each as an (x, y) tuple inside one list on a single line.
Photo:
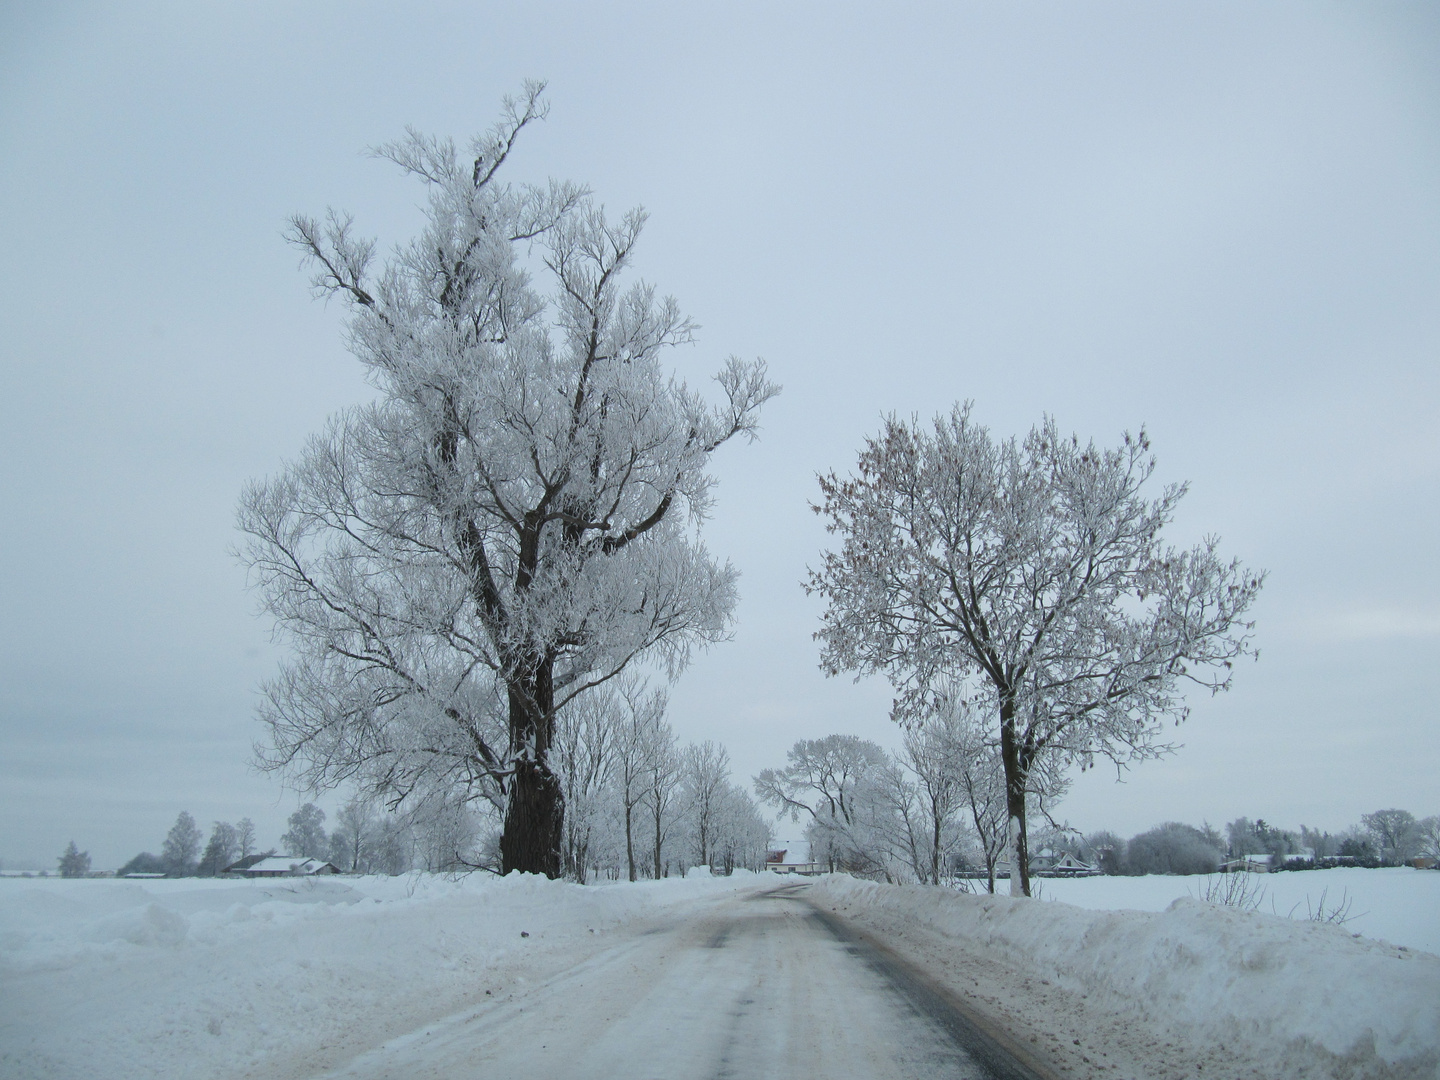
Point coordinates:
[(755, 986)]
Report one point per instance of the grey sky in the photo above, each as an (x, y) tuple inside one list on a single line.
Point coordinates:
[(1221, 221)]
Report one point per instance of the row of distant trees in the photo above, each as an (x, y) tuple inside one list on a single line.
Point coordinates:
[(1385, 838), (937, 810)]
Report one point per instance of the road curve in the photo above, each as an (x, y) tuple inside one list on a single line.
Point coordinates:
[(751, 988)]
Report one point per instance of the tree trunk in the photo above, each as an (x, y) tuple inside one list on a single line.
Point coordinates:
[(534, 832), (534, 822), (657, 837), (935, 846), (1016, 843), (629, 838)]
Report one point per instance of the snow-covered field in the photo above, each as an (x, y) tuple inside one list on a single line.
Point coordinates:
[(196, 978), (213, 978), (1396, 904)]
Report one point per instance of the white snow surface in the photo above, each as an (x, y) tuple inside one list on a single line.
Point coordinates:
[(1397, 904), (291, 978), (1270, 989), (288, 977)]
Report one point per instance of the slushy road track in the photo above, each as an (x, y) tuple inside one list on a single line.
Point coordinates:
[(752, 988)]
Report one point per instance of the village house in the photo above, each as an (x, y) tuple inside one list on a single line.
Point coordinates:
[(282, 866)]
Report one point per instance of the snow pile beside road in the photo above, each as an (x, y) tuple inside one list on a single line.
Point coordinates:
[(1396, 903), (1273, 989), (197, 978)]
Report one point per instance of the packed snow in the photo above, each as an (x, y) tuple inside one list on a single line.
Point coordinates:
[(295, 977)]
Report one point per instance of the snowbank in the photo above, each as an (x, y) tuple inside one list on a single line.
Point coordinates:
[(1396, 904), (196, 978), (1276, 990)]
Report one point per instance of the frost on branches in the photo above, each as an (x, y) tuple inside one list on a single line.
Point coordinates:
[(512, 521), (1034, 571)]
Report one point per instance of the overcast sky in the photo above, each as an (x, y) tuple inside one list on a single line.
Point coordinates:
[(1221, 221)]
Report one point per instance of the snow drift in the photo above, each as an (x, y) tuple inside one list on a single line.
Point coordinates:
[(1275, 989)]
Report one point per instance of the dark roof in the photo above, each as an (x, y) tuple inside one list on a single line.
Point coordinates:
[(245, 863)]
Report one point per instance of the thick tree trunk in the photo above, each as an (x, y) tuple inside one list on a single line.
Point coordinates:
[(1017, 845), (534, 832), (534, 821)]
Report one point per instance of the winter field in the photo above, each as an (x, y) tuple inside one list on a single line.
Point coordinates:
[(1395, 904), (295, 978)]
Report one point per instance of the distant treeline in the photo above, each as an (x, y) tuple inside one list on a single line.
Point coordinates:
[(1384, 838)]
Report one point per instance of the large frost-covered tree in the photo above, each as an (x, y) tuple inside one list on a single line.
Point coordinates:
[(1035, 568), (513, 520)]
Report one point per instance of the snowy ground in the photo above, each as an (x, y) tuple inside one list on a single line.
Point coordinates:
[(218, 979), (209, 978), (1193, 990), (1396, 904)]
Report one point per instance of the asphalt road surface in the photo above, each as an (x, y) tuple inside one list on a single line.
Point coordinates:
[(750, 988)]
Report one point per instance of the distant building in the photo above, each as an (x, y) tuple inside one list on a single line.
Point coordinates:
[(283, 866), (247, 862), (1049, 864), (775, 862), (1255, 864)]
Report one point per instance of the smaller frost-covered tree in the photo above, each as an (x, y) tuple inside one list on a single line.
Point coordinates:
[(306, 835), (740, 835), (245, 837), (1173, 848), (352, 842), (74, 862), (221, 850), (643, 738), (662, 788), (181, 850), (704, 779), (1035, 570), (829, 783), (1393, 833), (933, 752), (1427, 837), (586, 735)]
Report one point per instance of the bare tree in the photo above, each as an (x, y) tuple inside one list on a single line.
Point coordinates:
[(1036, 569), (306, 835), (704, 778), (221, 849), (245, 837), (74, 863), (353, 841), (933, 752), (644, 736), (662, 787), (1427, 836), (825, 781), (587, 732), (513, 521), (1394, 833), (182, 846)]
